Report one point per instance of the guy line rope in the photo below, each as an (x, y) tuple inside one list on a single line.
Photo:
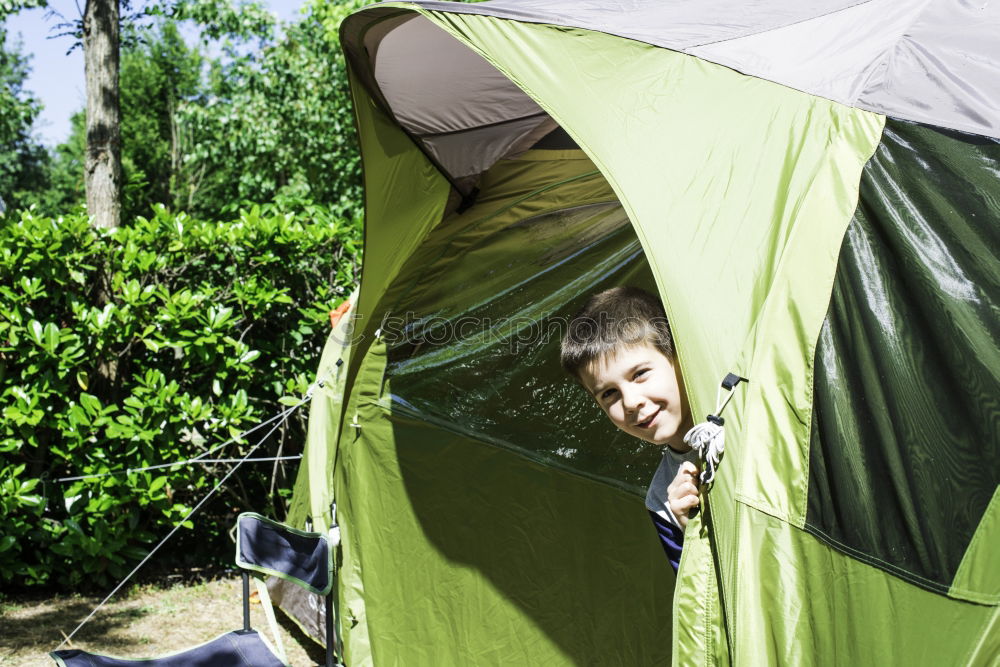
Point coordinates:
[(279, 418)]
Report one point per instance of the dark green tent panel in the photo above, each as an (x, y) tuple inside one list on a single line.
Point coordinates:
[(905, 458)]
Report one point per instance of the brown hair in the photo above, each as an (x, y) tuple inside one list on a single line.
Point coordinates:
[(611, 320)]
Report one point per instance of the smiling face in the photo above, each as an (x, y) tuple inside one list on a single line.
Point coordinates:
[(641, 393)]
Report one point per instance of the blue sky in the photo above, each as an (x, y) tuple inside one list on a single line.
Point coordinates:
[(57, 78)]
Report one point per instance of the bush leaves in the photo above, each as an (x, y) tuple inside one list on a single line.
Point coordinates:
[(149, 344)]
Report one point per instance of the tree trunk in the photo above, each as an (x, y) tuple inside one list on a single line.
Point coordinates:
[(102, 168)]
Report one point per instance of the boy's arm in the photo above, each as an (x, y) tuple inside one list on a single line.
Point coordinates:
[(671, 538)]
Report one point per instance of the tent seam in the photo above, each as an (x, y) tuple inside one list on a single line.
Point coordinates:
[(896, 571), (395, 408), (761, 506), (884, 56), (889, 568), (773, 28), (803, 505), (445, 133)]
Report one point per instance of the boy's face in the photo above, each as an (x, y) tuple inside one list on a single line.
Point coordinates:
[(640, 391)]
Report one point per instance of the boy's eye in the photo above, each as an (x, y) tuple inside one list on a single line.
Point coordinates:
[(607, 393), (641, 372)]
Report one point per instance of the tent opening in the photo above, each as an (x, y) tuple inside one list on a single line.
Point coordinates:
[(476, 316)]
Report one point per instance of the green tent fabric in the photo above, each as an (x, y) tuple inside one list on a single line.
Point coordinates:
[(845, 262)]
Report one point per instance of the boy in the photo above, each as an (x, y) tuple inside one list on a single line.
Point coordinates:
[(619, 348)]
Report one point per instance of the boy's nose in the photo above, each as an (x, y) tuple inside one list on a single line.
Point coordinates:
[(632, 400)]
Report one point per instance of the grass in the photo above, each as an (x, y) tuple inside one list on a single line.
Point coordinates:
[(149, 620)]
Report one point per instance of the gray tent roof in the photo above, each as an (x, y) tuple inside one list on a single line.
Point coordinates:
[(934, 61), (930, 61)]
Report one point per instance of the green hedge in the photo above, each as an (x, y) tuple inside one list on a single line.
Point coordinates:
[(143, 345)]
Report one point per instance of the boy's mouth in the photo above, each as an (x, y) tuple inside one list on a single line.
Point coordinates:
[(649, 421)]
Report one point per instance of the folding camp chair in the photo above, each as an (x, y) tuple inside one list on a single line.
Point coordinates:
[(264, 548)]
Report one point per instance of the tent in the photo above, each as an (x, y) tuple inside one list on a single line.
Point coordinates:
[(814, 191)]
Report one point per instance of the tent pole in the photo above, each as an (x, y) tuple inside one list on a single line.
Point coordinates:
[(329, 630)]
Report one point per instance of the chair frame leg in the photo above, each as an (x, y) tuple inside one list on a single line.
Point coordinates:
[(246, 601)]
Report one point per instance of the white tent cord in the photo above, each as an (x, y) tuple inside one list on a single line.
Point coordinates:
[(222, 481), (259, 459), (284, 414), (178, 463), (709, 437)]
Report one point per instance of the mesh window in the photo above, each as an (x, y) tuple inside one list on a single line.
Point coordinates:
[(481, 357)]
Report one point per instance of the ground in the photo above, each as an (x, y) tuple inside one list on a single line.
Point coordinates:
[(148, 621)]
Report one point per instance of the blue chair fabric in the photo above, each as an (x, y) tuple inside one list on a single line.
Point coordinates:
[(273, 548), (240, 648)]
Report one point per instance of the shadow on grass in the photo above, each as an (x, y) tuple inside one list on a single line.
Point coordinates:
[(315, 652), (43, 629), (145, 623)]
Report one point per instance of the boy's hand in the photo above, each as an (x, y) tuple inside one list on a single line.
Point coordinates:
[(683, 494)]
